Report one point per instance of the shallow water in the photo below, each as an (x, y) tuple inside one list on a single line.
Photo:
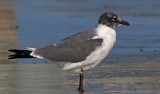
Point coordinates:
[(132, 66)]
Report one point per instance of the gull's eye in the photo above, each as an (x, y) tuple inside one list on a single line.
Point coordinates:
[(114, 19)]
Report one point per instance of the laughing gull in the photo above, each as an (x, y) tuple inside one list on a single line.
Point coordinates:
[(81, 51)]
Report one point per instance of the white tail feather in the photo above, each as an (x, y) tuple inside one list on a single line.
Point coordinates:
[(31, 49), (33, 52)]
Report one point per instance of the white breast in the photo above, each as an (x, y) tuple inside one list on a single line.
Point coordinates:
[(109, 38)]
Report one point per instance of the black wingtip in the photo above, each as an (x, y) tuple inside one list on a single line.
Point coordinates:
[(19, 54), (16, 50), (11, 56), (11, 50)]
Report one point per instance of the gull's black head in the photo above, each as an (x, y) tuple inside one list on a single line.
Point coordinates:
[(111, 20)]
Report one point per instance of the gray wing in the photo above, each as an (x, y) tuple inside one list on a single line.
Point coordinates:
[(72, 49)]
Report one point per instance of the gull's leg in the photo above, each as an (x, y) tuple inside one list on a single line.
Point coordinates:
[(81, 81)]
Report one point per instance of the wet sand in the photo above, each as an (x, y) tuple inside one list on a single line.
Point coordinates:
[(132, 67), (114, 78), (8, 32)]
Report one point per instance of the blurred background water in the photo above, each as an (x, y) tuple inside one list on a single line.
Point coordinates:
[(132, 66)]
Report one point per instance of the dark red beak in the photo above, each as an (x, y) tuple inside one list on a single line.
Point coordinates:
[(124, 23)]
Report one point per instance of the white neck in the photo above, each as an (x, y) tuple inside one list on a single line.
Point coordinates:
[(104, 27), (104, 30)]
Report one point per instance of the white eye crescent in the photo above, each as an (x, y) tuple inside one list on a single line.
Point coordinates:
[(114, 19)]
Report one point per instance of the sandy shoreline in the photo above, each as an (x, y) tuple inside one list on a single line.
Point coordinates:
[(8, 32)]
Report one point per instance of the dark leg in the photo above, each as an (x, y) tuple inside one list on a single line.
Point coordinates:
[(81, 82)]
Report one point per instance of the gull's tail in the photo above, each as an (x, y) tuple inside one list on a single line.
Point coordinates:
[(20, 54)]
